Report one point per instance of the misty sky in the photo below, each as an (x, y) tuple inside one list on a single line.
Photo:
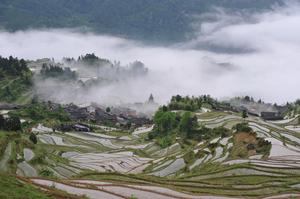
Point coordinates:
[(231, 57)]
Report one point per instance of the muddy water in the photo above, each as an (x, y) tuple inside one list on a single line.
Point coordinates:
[(172, 168), (28, 154), (27, 169)]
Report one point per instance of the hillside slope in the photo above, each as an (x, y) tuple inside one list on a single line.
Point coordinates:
[(156, 20)]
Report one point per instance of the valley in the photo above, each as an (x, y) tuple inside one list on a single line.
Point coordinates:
[(120, 163), (191, 147), (149, 99)]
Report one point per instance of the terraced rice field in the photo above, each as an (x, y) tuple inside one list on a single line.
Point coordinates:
[(111, 165)]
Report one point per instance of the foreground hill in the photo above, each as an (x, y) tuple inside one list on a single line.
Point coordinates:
[(156, 20), (206, 153), (21, 188)]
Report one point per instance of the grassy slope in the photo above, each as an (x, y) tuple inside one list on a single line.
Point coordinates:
[(10, 187), (20, 92)]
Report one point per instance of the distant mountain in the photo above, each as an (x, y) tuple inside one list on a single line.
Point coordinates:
[(152, 20)]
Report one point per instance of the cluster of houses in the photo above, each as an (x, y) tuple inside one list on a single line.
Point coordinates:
[(74, 127), (120, 117), (266, 115), (271, 115)]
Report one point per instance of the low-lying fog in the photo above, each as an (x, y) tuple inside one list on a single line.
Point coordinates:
[(238, 54)]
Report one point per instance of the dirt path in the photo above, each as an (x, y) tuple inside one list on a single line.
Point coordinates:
[(9, 83)]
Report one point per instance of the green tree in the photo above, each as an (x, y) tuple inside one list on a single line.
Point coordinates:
[(188, 124), (244, 114), (2, 122), (164, 108), (12, 124), (33, 138), (242, 127), (165, 121)]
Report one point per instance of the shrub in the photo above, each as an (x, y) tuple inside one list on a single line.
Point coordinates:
[(38, 159), (2, 122), (133, 197), (46, 173), (189, 157), (12, 124), (33, 138), (165, 141), (242, 127)]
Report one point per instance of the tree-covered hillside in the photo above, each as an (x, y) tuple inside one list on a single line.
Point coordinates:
[(155, 20), (15, 79)]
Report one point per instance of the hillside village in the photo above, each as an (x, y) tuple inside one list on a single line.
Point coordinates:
[(208, 143), (142, 147)]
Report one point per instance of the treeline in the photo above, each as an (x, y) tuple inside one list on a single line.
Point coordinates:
[(92, 59), (193, 103), (106, 68), (12, 66), (55, 71), (293, 109)]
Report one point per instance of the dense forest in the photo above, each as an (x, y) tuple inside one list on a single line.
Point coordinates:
[(152, 20), (12, 66), (57, 71)]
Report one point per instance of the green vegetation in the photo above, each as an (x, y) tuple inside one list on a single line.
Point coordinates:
[(4, 139), (55, 71), (39, 159), (10, 187), (46, 173), (17, 142), (107, 109), (133, 197), (10, 124), (93, 60), (242, 127), (189, 157), (191, 103), (212, 115), (244, 114), (21, 188), (151, 20), (168, 125), (12, 66), (41, 111), (205, 149), (204, 182), (15, 79), (293, 109), (97, 64), (33, 138), (246, 143)]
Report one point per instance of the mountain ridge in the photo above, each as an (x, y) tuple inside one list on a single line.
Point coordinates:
[(163, 21)]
